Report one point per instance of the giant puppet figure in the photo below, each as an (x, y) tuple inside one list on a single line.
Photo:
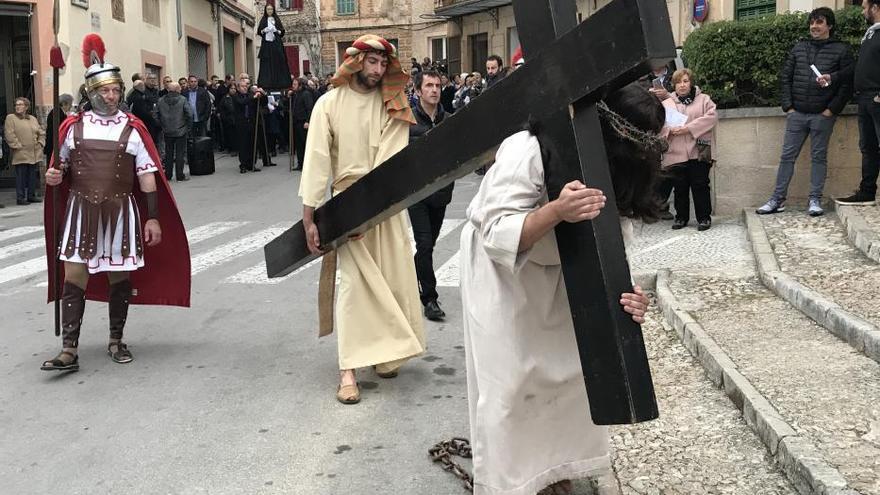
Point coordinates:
[(120, 217), (274, 71)]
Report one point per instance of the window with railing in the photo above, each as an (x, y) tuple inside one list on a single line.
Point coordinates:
[(346, 7), (750, 9)]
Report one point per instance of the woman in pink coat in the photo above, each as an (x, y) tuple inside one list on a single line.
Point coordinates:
[(690, 173)]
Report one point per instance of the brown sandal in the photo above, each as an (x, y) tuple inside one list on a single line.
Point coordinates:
[(348, 394), (121, 355), (58, 364)]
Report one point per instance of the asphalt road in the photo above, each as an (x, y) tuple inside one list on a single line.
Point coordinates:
[(233, 395)]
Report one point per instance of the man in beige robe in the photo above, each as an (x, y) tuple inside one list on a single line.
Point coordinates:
[(353, 129)]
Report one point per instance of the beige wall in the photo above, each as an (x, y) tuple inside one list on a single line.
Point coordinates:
[(749, 145)]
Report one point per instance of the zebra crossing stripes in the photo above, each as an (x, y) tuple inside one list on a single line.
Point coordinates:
[(21, 247), (210, 230), (246, 244), (239, 247), (19, 231), (27, 268), (257, 273), (448, 274)]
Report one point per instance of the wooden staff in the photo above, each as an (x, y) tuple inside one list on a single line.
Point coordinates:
[(290, 131), (56, 60)]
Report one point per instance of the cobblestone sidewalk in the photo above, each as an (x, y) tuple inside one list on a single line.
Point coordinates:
[(824, 389), (722, 249), (700, 444), (817, 253)]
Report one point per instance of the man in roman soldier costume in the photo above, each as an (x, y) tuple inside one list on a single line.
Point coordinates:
[(119, 214)]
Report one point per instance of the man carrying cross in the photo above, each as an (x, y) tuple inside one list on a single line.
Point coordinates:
[(353, 129), (530, 422)]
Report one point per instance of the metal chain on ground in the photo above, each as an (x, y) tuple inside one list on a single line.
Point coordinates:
[(443, 453)]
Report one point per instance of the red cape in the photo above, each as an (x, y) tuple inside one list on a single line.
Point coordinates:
[(167, 277)]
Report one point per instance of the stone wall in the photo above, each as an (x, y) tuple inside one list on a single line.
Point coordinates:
[(390, 19), (749, 142)]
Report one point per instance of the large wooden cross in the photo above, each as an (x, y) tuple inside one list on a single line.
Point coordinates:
[(569, 68)]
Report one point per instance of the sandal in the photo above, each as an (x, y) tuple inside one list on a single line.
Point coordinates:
[(348, 394), (121, 355), (58, 364)]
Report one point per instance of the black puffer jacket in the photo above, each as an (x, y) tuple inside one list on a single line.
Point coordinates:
[(424, 124), (799, 88)]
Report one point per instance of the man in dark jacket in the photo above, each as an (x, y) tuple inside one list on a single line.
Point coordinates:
[(175, 116), (247, 103), (226, 108), (142, 108), (303, 102), (426, 216), (447, 93), (812, 102), (494, 70), (867, 86)]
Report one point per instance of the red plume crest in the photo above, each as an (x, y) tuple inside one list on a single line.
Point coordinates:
[(93, 50)]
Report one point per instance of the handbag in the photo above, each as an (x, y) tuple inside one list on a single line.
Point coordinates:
[(704, 151)]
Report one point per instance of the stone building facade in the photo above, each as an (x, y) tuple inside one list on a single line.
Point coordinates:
[(483, 27), (406, 23)]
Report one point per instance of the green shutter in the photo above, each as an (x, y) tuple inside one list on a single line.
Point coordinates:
[(345, 7), (750, 9)]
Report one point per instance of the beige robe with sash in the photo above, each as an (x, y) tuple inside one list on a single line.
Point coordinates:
[(529, 412), (378, 312)]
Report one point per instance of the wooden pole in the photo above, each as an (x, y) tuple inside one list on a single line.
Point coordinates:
[(56, 119), (290, 132)]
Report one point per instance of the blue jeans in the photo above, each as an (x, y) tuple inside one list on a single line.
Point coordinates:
[(869, 142), (798, 126), (25, 181)]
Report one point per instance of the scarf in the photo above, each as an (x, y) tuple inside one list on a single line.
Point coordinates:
[(393, 83), (688, 98)]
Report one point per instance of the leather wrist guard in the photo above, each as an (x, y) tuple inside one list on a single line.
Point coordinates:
[(152, 205)]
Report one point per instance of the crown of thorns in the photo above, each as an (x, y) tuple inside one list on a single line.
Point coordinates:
[(625, 129)]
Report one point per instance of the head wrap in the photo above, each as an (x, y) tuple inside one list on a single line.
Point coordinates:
[(393, 82)]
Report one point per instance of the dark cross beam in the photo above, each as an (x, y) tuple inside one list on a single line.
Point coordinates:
[(610, 49), (596, 272)]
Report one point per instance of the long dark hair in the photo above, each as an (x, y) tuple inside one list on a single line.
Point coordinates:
[(264, 20), (634, 168)]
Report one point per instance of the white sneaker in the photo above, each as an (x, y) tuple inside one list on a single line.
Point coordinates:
[(815, 208), (772, 205)]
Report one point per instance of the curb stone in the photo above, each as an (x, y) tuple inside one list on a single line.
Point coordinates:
[(647, 279), (799, 459), (858, 231), (861, 334)]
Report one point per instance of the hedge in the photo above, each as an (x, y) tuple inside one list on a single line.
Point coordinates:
[(737, 62)]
